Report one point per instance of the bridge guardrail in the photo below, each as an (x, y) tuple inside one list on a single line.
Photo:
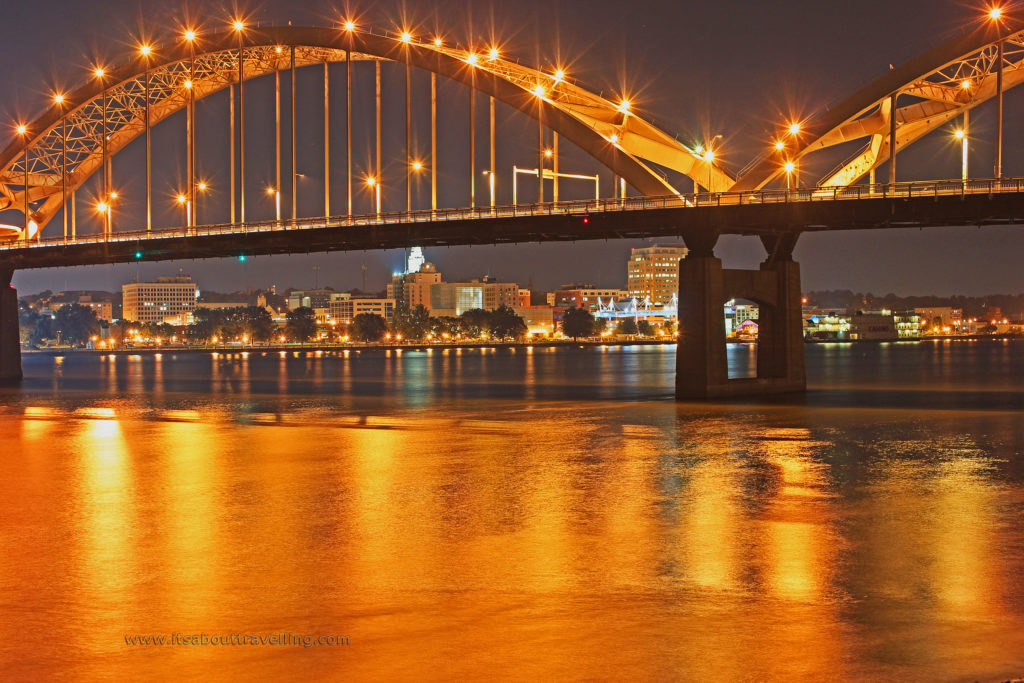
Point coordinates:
[(940, 188)]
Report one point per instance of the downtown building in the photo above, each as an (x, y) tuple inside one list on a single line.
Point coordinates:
[(585, 296), (653, 273), (412, 289), (455, 298), (169, 298), (345, 309)]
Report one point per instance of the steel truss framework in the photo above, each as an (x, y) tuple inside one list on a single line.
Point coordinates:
[(929, 92), (68, 138)]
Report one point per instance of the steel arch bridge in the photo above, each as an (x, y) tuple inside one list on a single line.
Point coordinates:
[(64, 147)]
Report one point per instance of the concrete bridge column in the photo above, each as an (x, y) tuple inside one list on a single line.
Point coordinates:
[(10, 340), (704, 287)]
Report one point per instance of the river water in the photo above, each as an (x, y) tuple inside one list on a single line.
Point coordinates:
[(513, 514)]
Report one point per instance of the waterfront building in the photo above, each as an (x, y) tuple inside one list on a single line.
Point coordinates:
[(455, 298), (104, 310), (154, 302), (540, 320), (827, 327), (412, 289), (310, 298), (585, 296), (344, 310), (653, 273)]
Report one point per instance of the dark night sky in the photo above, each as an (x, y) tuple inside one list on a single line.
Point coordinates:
[(733, 67)]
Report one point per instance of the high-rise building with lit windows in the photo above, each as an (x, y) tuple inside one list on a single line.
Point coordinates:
[(653, 272), (154, 302)]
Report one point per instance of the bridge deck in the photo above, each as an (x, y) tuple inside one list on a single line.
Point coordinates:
[(905, 205)]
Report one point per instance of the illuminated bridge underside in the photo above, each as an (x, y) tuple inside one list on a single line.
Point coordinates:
[(586, 119), (609, 219), (930, 93)]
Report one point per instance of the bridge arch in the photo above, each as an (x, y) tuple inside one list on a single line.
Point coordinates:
[(930, 90), (612, 134)]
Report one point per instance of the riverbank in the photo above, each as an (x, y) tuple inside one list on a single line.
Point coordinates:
[(404, 346)]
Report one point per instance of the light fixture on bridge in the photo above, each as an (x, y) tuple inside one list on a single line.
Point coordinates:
[(493, 54), (188, 84), (966, 85), (709, 156), (98, 72), (238, 25), (780, 145), (190, 35), (417, 165), (538, 90), (624, 106), (794, 129), (438, 42), (371, 181), (995, 13), (559, 76), (22, 129), (145, 50), (113, 195), (182, 199), (350, 25), (201, 186), (548, 153), (472, 58), (614, 139), (960, 134), (406, 37), (102, 207), (790, 167), (58, 98)]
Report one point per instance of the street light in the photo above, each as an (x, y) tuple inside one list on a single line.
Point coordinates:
[(995, 14), (374, 186), (187, 205), (276, 194), (962, 136), (790, 168), (201, 186)]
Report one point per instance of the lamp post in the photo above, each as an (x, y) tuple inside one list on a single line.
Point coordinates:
[(276, 194), (995, 14), (962, 136), (374, 186), (201, 186), (23, 132), (187, 206)]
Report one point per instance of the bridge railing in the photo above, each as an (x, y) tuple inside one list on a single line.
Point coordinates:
[(940, 188)]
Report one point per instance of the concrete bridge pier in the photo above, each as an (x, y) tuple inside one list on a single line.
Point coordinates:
[(704, 287), (10, 340)]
